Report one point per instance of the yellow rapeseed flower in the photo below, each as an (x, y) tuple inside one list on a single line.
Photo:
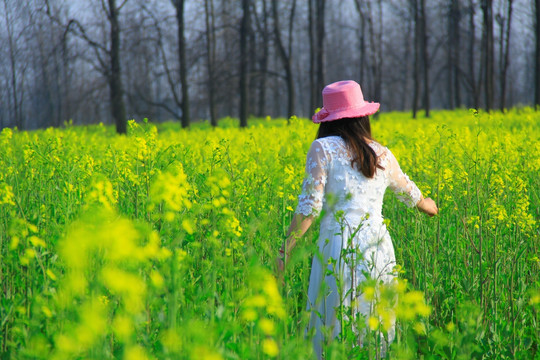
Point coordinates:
[(171, 340), (373, 323), (249, 315), (157, 279), (135, 352), (267, 326), (122, 326), (201, 352), (50, 274), (46, 311), (257, 301), (270, 347), (369, 293), (14, 242), (420, 328), (188, 226)]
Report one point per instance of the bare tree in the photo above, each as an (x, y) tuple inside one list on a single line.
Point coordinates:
[(475, 87), (115, 79), (109, 67), (286, 54), (179, 6), (16, 86), (262, 25), (316, 33), (416, 69), (244, 28), (320, 7), (487, 12), (362, 38), (537, 56), (454, 17), (311, 37), (210, 57), (505, 25), (172, 101), (425, 57)]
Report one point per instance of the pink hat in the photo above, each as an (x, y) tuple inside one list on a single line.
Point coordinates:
[(344, 99)]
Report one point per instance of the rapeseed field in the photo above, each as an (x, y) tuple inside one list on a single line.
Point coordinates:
[(161, 244)]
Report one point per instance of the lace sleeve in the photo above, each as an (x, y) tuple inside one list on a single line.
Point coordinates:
[(404, 188), (310, 201)]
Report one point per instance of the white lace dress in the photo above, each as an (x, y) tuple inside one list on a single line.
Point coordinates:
[(352, 219)]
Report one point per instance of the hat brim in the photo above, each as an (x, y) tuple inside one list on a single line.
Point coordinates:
[(367, 109)]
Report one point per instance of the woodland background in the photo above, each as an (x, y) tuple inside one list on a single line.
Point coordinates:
[(110, 60)]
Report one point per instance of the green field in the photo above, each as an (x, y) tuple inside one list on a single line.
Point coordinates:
[(161, 244)]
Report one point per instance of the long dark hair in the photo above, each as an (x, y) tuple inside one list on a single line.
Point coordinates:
[(354, 131)]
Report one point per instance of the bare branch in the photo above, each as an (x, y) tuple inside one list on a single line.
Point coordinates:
[(170, 80), (121, 5), (157, 104), (105, 9), (94, 45)]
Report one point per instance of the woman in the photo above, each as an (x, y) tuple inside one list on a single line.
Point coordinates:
[(347, 173)]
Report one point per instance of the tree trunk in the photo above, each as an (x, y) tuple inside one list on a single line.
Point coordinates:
[(312, 50), (457, 54), (374, 59), (361, 38), (416, 70), (115, 79), (290, 79), (49, 117), (453, 54), (362, 45), (537, 57), (320, 31), (244, 26), (487, 11), (210, 58), (472, 47), (377, 95), (376, 47), (425, 57), (450, 57), (252, 57), (66, 83), (13, 67), (404, 100), (186, 120), (504, 56), (286, 59), (263, 62), (57, 80)]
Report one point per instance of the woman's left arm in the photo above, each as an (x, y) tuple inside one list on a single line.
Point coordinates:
[(310, 201), (299, 225)]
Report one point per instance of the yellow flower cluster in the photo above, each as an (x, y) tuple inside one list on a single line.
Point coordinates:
[(171, 190), (151, 244), (264, 306), (393, 302), (6, 195), (103, 255)]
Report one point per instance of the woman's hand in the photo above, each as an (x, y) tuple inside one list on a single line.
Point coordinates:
[(428, 206)]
